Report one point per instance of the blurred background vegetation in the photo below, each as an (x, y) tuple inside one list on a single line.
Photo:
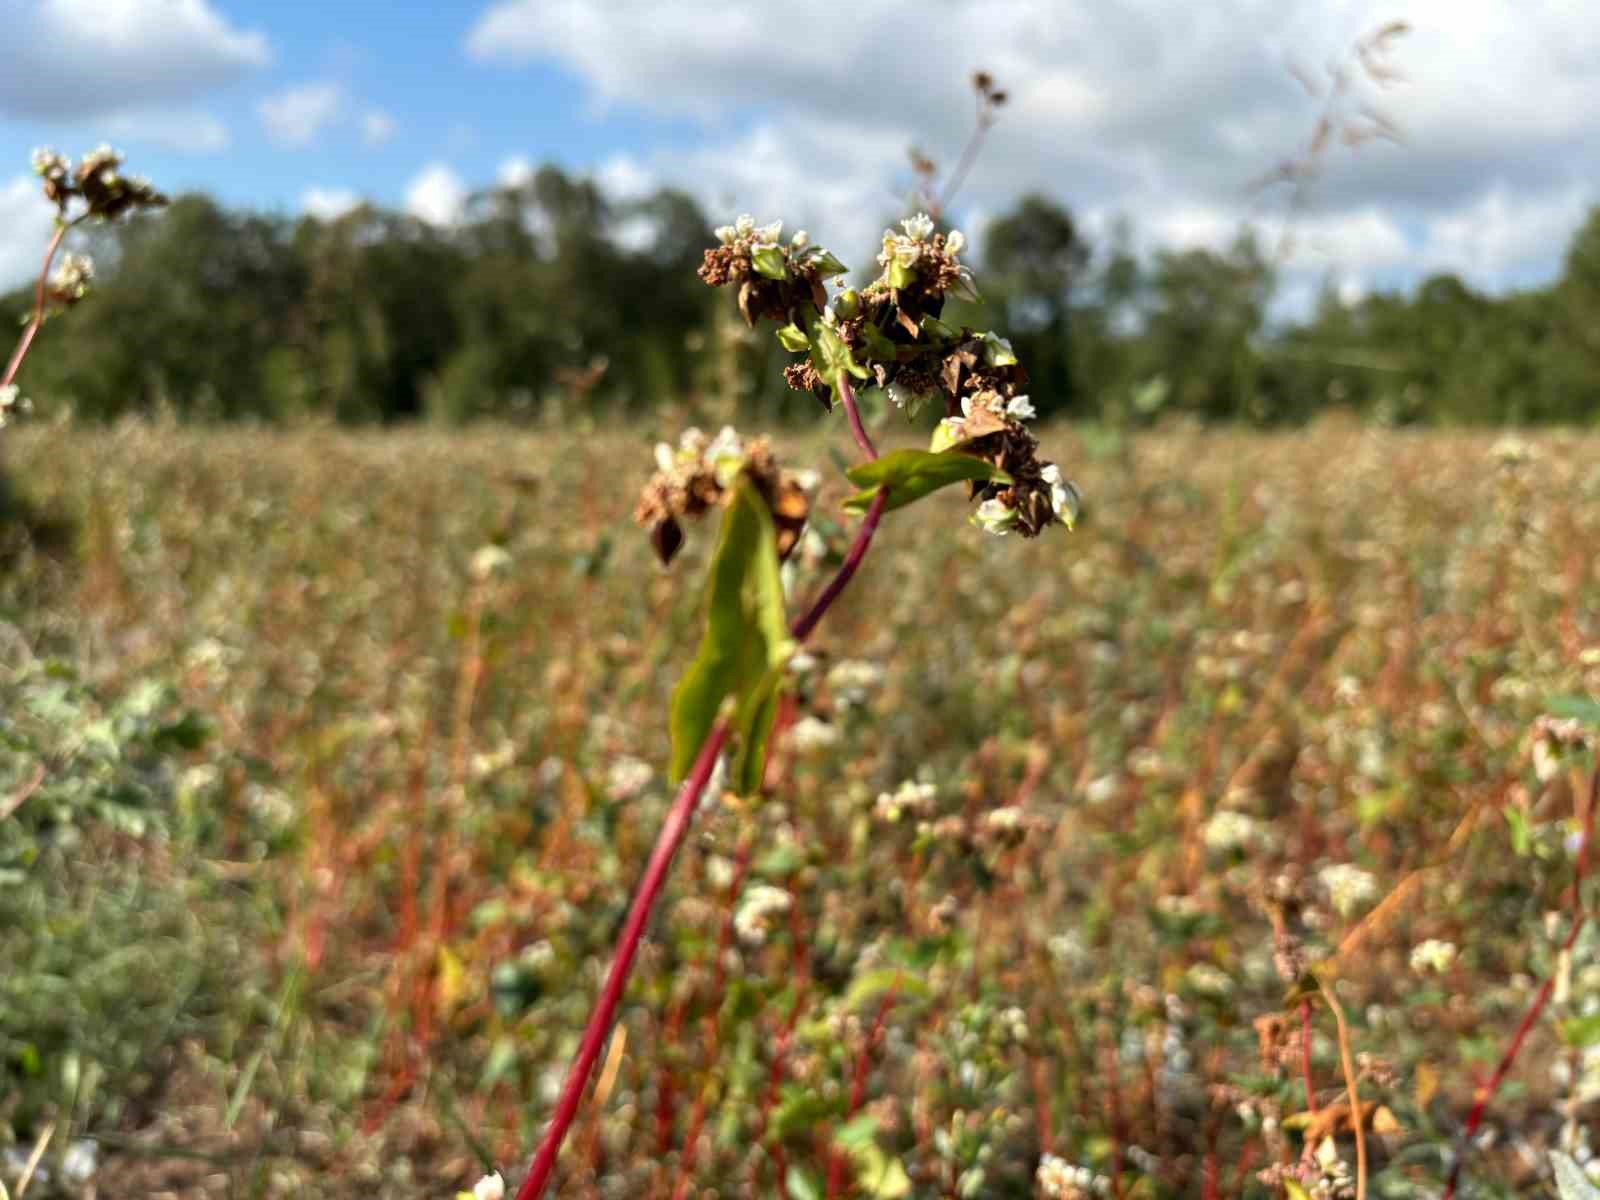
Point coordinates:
[(549, 294)]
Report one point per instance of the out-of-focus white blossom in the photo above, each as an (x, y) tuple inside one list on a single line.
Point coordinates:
[(759, 906), (1227, 831), (627, 777), (810, 734), (1433, 955), (1348, 886), (1059, 1179), (992, 516), (911, 798), (1020, 408)]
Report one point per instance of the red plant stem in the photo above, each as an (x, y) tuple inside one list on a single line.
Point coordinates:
[(1487, 1091), (858, 1085), (857, 429), (673, 832), (671, 837), (26, 340), (1305, 1055), (802, 628)]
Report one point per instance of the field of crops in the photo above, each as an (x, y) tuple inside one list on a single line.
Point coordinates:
[(330, 760)]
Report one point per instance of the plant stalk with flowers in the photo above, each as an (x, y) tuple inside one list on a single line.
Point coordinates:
[(96, 189), (889, 335)]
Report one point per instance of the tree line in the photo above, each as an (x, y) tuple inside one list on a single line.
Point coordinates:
[(550, 297)]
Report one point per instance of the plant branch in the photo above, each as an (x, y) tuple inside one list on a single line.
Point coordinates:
[(853, 412), (28, 334), (672, 835)]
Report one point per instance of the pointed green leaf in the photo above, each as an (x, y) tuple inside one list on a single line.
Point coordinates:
[(826, 265), (753, 722), (912, 474), (830, 355), (769, 261), (1579, 708), (792, 337), (746, 637)]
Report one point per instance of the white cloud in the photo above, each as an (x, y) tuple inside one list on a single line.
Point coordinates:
[(84, 58), (26, 219), (437, 195), (188, 131), (295, 116), (515, 171), (377, 127), (328, 204), (1156, 108), (623, 177)]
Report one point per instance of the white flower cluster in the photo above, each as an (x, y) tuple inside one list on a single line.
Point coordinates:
[(745, 230), (1059, 1179), (910, 798), (1348, 886), (1228, 831), (810, 734), (852, 679), (627, 777), (724, 453), (758, 908), (906, 249), (490, 1187), (992, 516), (11, 401), (47, 164), (72, 278), (489, 561), (1432, 955)]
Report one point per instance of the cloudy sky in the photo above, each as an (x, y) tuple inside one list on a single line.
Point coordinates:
[(1165, 111)]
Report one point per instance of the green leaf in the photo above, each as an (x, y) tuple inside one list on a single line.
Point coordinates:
[(826, 265), (912, 474), (791, 337), (1579, 708), (878, 347), (875, 983), (769, 261), (753, 723), (997, 352), (830, 355), (900, 276), (937, 331), (1581, 1032), (1571, 1182), (746, 639), (803, 1185)]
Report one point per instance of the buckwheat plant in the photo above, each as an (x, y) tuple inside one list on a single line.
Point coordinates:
[(889, 335), (96, 189)]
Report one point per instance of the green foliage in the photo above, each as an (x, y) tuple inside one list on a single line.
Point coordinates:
[(909, 475), (745, 644)]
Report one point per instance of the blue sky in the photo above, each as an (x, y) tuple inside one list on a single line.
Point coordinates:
[(1162, 111)]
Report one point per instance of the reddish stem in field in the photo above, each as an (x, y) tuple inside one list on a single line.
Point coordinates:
[(847, 394), (858, 1085), (1486, 1092), (1305, 1055), (673, 832), (26, 340)]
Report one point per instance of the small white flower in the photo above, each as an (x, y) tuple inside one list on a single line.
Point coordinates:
[(852, 679), (809, 735), (910, 798), (918, 228), (1227, 831), (1208, 980), (994, 517), (1021, 408), (1432, 955), (47, 162), (627, 777), (1349, 887), (11, 401), (951, 431), (744, 226), (800, 240), (997, 351), (488, 561), (666, 457), (1065, 498), (757, 909), (766, 235), (955, 243), (726, 234), (72, 276), (490, 1187)]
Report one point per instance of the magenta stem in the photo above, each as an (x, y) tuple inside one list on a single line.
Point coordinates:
[(857, 429), (26, 340), (673, 832)]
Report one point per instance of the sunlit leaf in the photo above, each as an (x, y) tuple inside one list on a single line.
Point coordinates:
[(746, 638), (912, 474)]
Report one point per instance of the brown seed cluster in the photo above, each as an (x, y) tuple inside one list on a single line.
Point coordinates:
[(98, 181), (701, 475)]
